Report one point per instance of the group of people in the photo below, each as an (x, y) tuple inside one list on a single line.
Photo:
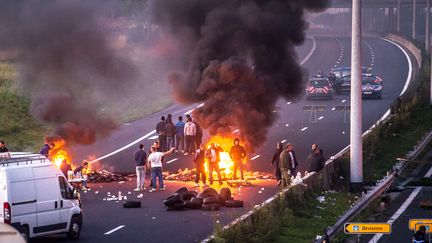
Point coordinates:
[(184, 137), (153, 163), (285, 162), (79, 172)]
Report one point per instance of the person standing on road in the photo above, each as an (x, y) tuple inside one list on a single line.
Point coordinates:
[(160, 131), (213, 155), (420, 235), (170, 132), (3, 148), (179, 137), (237, 154), (198, 134), (275, 161), (155, 162), (140, 162), (45, 150), (285, 165), (199, 165), (190, 132), (292, 166), (82, 172), (65, 168), (315, 161)]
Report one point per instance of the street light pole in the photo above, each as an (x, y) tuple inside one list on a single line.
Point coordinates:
[(398, 16), (414, 20), (427, 45), (356, 156)]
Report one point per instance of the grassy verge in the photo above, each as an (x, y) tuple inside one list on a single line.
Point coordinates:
[(17, 127)]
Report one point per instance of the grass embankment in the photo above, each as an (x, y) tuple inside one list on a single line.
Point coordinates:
[(311, 217), (17, 127)]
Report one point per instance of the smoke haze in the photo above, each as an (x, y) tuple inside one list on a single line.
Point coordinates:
[(241, 59)]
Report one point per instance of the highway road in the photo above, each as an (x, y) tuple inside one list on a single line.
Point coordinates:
[(107, 221)]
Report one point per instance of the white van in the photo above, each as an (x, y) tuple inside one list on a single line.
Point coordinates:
[(36, 198)]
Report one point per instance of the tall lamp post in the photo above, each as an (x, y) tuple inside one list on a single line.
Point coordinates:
[(356, 150)]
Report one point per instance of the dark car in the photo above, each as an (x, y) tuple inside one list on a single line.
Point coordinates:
[(337, 75), (372, 86), (319, 87)]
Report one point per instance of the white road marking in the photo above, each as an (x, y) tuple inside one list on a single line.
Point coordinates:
[(200, 105), (343, 101), (169, 162), (314, 44), (334, 108), (321, 117), (429, 173), (304, 129), (255, 157), (115, 229), (236, 131), (125, 147), (398, 213), (283, 141), (189, 111), (289, 103), (287, 125), (153, 137)]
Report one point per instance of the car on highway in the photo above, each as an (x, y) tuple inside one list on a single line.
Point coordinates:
[(338, 78), (319, 87), (372, 86), (36, 198)]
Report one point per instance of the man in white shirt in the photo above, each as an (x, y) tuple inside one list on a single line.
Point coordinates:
[(190, 132), (213, 154), (155, 162)]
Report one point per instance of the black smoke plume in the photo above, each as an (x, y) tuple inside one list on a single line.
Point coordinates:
[(64, 61), (241, 60)]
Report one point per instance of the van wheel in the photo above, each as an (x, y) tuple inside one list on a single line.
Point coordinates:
[(25, 233), (75, 228)]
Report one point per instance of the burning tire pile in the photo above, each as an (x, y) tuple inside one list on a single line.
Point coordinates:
[(105, 176), (189, 175), (209, 199)]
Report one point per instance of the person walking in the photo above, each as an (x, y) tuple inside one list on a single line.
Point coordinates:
[(155, 162), (3, 148), (65, 167), (170, 132), (237, 154), (179, 136), (315, 160), (45, 150), (200, 155), (213, 154), (284, 163), (160, 131), (140, 162), (189, 132), (275, 161)]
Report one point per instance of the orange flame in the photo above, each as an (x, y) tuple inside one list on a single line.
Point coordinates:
[(226, 164), (59, 156)]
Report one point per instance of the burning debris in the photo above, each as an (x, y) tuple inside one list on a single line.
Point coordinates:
[(189, 175), (105, 176), (241, 59)]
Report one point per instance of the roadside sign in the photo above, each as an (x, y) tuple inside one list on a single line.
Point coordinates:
[(428, 227), (367, 228), (413, 222)]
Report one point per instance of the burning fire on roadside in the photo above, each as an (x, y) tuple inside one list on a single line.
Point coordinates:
[(226, 164)]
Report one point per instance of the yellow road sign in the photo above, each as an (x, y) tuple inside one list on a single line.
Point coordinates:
[(428, 227), (413, 222), (367, 228)]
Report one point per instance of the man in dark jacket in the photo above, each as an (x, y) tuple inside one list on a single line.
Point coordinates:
[(65, 167), (198, 134), (179, 137), (81, 172), (45, 150), (420, 235), (170, 132), (160, 131), (140, 162), (275, 161), (237, 154), (285, 163), (213, 155), (315, 161), (199, 165), (292, 159), (3, 148)]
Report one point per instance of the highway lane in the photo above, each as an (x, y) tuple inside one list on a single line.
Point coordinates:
[(102, 217)]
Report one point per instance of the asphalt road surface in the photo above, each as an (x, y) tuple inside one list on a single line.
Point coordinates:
[(107, 221)]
